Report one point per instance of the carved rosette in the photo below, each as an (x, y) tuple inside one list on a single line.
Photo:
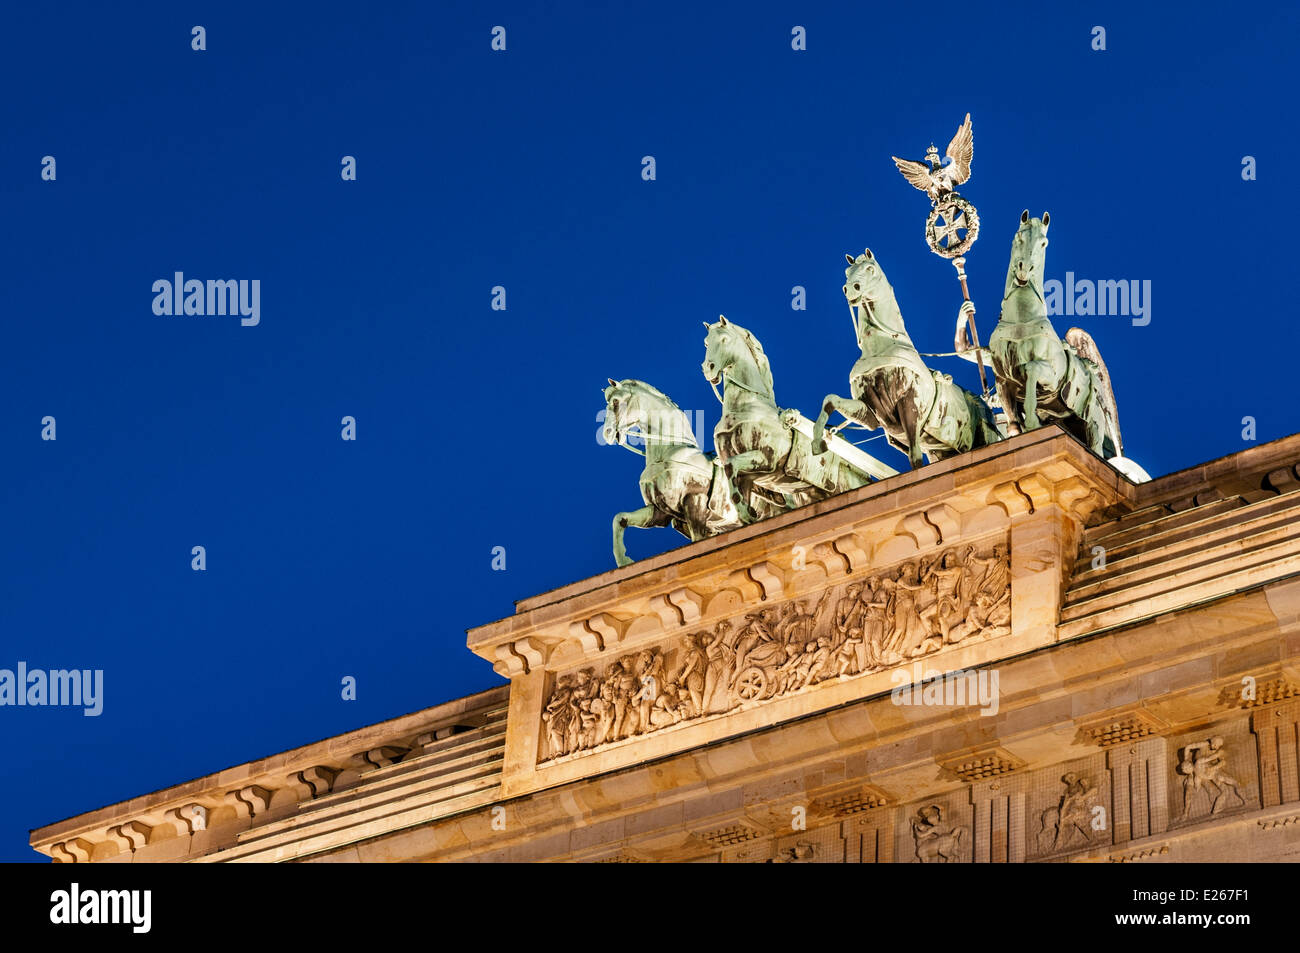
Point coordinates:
[(865, 625)]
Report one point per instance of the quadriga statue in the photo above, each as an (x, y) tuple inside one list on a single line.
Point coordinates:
[(923, 413)]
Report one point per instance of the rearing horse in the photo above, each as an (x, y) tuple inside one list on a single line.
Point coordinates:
[(680, 484), (769, 463), (1040, 377), (922, 412)]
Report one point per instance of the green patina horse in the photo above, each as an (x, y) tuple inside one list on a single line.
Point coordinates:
[(922, 412), (1042, 379), (771, 465), (680, 484)]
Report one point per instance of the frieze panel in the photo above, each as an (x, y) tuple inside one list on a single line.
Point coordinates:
[(939, 833), (1214, 772), (859, 627), (1069, 808)]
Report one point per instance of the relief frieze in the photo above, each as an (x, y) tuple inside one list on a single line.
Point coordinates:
[(857, 628)]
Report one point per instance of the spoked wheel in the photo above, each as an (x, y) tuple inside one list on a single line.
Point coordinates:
[(751, 683)]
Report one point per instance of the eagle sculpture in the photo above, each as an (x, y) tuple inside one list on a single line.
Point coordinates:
[(936, 178)]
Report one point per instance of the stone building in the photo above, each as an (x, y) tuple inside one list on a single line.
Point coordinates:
[(1011, 655)]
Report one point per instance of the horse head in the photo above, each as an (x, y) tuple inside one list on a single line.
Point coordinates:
[(868, 290), (732, 351), (1028, 254), (635, 404)]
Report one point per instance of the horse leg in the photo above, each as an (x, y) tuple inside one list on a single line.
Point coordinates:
[(695, 513), (744, 511), (643, 518), (739, 467), (847, 407), (908, 410), (1035, 371)]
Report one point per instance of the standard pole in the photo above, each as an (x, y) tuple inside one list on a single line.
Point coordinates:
[(960, 264)]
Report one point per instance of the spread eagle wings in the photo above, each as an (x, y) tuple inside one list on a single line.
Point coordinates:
[(918, 173), (961, 150)]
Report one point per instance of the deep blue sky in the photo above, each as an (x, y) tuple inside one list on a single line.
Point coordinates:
[(477, 428)]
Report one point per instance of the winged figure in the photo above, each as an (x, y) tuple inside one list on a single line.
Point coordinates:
[(1081, 342), (935, 177)]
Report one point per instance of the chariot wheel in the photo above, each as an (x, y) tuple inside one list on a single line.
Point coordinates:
[(751, 683), (952, 227)]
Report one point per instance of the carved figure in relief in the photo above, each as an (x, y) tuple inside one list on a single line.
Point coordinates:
[(993, 573), (803, 669), (666, 709), (819, 668), (948, 608), (721, 656), (581, 692), (605, 727), (756, 634), (692, 676), (1203, 767), (851, 644), (849, 611), (1071, 816), (555, 715), (989, 612), (797, 623), (649, 676), (587, 721), (875, 606), (909, 630), (626, 719), (989, 617), (937, 842), (846, 657)]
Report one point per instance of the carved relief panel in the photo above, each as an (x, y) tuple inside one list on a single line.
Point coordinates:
[(936, 831), (1068, 809), (1212, 772), (865, 625)]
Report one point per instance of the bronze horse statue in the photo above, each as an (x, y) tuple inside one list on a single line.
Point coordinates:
[(770, 463), (923, 413), (681, 485), (1042, 379)]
